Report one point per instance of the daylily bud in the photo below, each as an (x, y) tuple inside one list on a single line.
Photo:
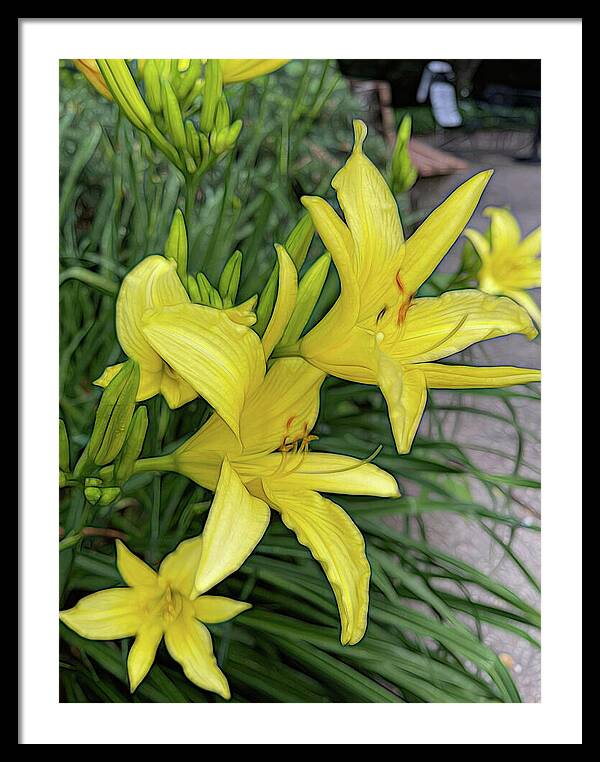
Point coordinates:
[(404, 174), (108, 496), (297, 246), (208, 292), (222, 116), (114, 415), (193, 290), (92, 494), (212, 93), (309, 291), (63, 446), (152, 85), (172, 114), (204, 288), (230, 279), (233, 133), (204, 149), (176, 246), (133, 445), (192, 140), (190, 164), (125, 92)]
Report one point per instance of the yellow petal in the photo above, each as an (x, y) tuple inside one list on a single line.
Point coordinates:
[(370, 210), (106, 615), (335, 235), (174, 389), (142, 653), (132, 569), (179, 568), (506, 233), (531, 245), (405, 393), (479, 241), (151, 285), (327, 472), (213, 609), (235, 525), (243, 69), (91, 71), (220, 359), (338, 347), (287, 291), (150, 381), (440, 376), (189, 643), (334, 540), (528, 303), (432, 240), (437, 327)]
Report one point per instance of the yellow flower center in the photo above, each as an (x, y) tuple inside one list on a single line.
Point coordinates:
[(167, 606)]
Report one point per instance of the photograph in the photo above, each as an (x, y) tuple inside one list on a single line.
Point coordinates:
[(299, 372), (288, 313)]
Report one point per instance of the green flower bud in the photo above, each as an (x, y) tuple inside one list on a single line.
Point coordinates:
[(64, 458), (404, 174), (230, 279), (192, 140), (297, 245), (152, 86), (222, 116), (108, 496), (309, 291), (193, 290), (133, 445), (92, 494), (204, 288), (124, 90), (173, 116), (213, 88), (176, 246), (114, 415)]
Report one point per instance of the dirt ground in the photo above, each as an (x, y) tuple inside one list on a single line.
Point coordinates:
[(517, 184)]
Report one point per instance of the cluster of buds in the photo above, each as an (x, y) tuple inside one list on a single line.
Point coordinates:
[(115, 443), (178, 104)]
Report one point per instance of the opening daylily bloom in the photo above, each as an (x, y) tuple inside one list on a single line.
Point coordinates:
[(156, 605), (273, 468), (184, 349), (378, 332), (510, 264)]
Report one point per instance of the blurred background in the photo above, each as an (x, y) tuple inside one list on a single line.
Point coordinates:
[(116, 207)]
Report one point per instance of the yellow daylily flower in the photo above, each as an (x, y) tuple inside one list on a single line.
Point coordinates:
[(273, 468), (185, 349), (91, 71), (243, 69), (510, 264), (156, 605), (378, 332)]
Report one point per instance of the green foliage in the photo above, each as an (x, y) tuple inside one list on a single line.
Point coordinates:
[(424, 642)]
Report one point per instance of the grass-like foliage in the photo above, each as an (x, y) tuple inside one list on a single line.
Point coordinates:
[(427, 609)]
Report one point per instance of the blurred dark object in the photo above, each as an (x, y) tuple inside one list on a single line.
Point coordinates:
[(506, 83), (513, 84)]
